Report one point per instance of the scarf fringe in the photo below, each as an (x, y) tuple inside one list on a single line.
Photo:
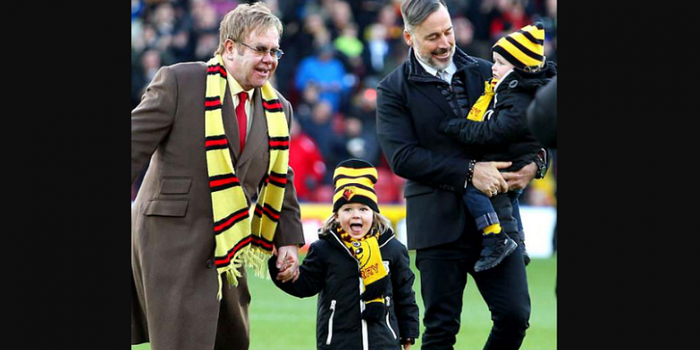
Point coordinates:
[(232, 275), (256, 259)]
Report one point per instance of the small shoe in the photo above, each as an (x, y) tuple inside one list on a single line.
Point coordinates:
[(494, 252)]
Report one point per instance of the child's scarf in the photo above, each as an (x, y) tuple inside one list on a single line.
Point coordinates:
[(482, 104), (366, 251), (238, 238)]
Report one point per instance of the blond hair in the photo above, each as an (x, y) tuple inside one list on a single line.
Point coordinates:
[(379, 223), (245, 19)]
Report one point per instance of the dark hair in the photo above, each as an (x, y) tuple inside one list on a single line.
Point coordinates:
[(414, 12)]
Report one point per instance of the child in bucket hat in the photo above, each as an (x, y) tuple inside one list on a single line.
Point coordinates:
[(356, 243), (495, 129)]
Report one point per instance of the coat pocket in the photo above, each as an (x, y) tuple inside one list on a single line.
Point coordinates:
[(175, 186), (330, 324), (175, 208)]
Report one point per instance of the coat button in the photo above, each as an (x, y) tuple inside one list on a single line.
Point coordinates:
[(210, 263), (513, 84)]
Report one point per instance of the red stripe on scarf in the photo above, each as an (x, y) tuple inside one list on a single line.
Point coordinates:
[(272, 106), (221, 182), (229, 221), (282, 180), (214, 103), (210, 143), (227, 259), (261, 242), (279, 143), (217, 69), (271, 213)]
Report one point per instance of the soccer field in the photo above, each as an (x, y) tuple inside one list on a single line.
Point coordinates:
[(279, 321)]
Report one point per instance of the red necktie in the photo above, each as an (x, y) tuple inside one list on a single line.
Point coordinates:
[(242, 119)]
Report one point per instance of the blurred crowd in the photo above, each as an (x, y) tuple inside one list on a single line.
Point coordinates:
[(335, 53)]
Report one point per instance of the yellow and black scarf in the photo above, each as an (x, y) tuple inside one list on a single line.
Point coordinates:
[(238, 238), (366, 251), (476, 113)]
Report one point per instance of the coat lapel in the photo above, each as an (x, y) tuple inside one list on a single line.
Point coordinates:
[(231, 126), (258, 130), (433, 94)]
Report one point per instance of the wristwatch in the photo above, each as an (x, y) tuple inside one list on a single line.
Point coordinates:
[(472, 163), (541, 162)]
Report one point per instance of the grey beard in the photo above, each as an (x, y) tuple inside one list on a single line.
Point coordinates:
[(431, 62)]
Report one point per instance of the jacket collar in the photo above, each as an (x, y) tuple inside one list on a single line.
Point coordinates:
[(521, 80)]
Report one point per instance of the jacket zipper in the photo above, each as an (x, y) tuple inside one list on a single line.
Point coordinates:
[(365, 337), (330, 323), (388, 303)]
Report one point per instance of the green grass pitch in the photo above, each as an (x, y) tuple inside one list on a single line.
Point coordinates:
[(279, 321)]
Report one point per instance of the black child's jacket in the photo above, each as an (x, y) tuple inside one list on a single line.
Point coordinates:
[(505, 134), (331, 271)]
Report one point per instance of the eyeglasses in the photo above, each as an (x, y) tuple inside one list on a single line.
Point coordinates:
[(261, 51)]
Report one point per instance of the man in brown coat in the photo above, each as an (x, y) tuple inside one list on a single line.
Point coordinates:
[(175, 280)]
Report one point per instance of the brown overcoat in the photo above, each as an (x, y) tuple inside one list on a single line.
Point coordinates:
[(174, 288)]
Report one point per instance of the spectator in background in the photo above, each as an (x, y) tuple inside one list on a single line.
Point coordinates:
[(350, 49), (357, 142), (307, 162), (464, 34), (389, 18), (377, 49), (365, 12), (309, 99), (481, 13), (149, 63), (511, 17), (205, 30), (320, 128), (326, 72), (347, 43), (550, 27), (364, 106), (340, 16)]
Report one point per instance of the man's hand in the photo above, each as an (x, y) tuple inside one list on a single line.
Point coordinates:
[(519, 179), (488, 179), (287, 263)]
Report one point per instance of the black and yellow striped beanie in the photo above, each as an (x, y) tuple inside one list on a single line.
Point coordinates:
[(524, 49), (354, 181)]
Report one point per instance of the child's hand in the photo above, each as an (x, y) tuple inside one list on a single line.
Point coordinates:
[(406, 343), (287, 263)]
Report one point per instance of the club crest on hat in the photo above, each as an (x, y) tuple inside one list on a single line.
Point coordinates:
[(348, 193)]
